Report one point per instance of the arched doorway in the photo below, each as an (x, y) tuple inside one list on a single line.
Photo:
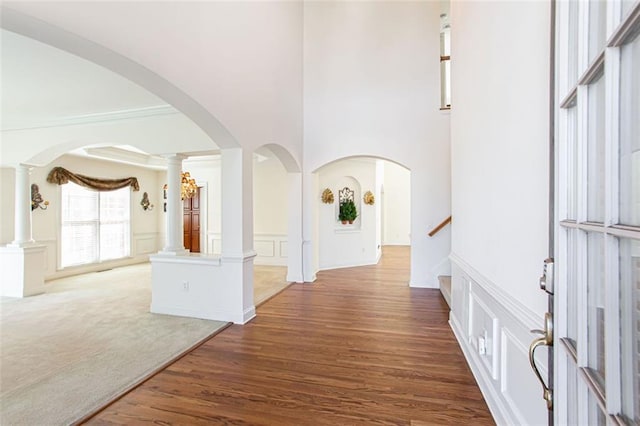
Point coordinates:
[(383, 218)]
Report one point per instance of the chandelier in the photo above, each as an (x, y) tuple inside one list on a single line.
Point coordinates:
[(188, 187)]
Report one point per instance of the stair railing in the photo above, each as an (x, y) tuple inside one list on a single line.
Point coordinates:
[(442, 224)]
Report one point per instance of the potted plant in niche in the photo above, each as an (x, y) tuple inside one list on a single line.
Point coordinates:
[(348, 212)]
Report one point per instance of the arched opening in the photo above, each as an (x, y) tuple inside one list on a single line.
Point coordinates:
[(32, 28), (380, 192), (276, 220)]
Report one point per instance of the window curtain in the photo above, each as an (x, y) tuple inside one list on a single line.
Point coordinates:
[(61, 176)]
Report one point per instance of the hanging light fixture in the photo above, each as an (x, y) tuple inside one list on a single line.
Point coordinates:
[(188, 187)]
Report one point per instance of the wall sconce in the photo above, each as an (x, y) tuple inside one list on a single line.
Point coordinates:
[(327, 196), (36, 198), (369, 198), (145, 203)]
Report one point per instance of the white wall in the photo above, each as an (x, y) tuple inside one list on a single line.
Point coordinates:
[(241, 61), (7, 191), (371, 87), (157, 134), (355, 244), (396, 205), (270, 211), (146, 231), (500, 175), (270, 206)]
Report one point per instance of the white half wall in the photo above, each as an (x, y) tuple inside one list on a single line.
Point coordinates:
[(482, 310)]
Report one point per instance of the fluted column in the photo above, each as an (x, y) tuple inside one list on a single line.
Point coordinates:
[(22, 226), (174, 235)]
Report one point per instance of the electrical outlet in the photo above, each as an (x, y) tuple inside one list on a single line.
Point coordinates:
[(185, 285), (482, 346)]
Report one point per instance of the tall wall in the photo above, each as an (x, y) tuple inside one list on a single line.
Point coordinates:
[(500, 178), (371, 87)]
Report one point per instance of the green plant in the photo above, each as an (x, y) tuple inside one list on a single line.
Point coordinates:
[(348, 211)]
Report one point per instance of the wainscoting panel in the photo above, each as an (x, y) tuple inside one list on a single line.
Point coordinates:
[(271, 248), (264, 248), (145, 243), (50, 256), (493, 331)]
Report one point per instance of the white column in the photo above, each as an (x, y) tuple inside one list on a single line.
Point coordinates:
[(294, 229), (174, 234), (237, 229), (22, 227), (310, 207), (237, 201)]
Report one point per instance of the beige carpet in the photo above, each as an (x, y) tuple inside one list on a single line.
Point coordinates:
[(268, 281), (69, 351)]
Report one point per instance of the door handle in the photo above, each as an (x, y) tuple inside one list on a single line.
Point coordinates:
[(545, 340)]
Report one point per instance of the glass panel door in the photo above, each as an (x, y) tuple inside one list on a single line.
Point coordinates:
[(598, 213)]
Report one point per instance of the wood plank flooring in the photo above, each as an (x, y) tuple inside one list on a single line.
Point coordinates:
[(356, 347)]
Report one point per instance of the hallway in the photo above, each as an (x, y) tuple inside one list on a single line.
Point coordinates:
[(356, 347)]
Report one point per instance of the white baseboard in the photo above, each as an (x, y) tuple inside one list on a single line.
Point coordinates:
[(347, 265)]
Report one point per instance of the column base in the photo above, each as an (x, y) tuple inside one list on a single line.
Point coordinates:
[(22, 270)]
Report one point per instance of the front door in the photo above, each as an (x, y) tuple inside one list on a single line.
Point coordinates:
[(191, 220), (597, 215)]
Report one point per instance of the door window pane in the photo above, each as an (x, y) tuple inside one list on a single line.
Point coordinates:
[(626, 6), (595, 304), (596, 416), (597, 27), (630, 328), (630, 134), (572, 393), (572, 169), (572, 63), (572, 286), (595, 152)]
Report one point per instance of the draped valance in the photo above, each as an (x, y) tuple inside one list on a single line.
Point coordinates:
[(61, 176)]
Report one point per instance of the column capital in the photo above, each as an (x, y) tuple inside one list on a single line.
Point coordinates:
[(174, 158)]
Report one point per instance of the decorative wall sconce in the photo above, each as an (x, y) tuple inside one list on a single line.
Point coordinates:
[(145, 203), (327, 196), (36, 198), (369, 198)]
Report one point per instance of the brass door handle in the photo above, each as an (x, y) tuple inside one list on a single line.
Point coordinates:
[(545, 340)]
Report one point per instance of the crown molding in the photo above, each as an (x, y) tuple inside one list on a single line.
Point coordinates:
[(99, 117)]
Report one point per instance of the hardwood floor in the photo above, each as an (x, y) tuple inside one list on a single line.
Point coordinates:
[(356, 347)]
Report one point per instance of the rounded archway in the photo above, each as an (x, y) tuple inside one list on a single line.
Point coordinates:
[(277, 220), (48, 34), (380, 192)]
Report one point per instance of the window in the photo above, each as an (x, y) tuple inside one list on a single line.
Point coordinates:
[(95, 225), (445, 62)]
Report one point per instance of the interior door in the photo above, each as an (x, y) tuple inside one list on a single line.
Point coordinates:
[(191, 222), (597, 214)]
